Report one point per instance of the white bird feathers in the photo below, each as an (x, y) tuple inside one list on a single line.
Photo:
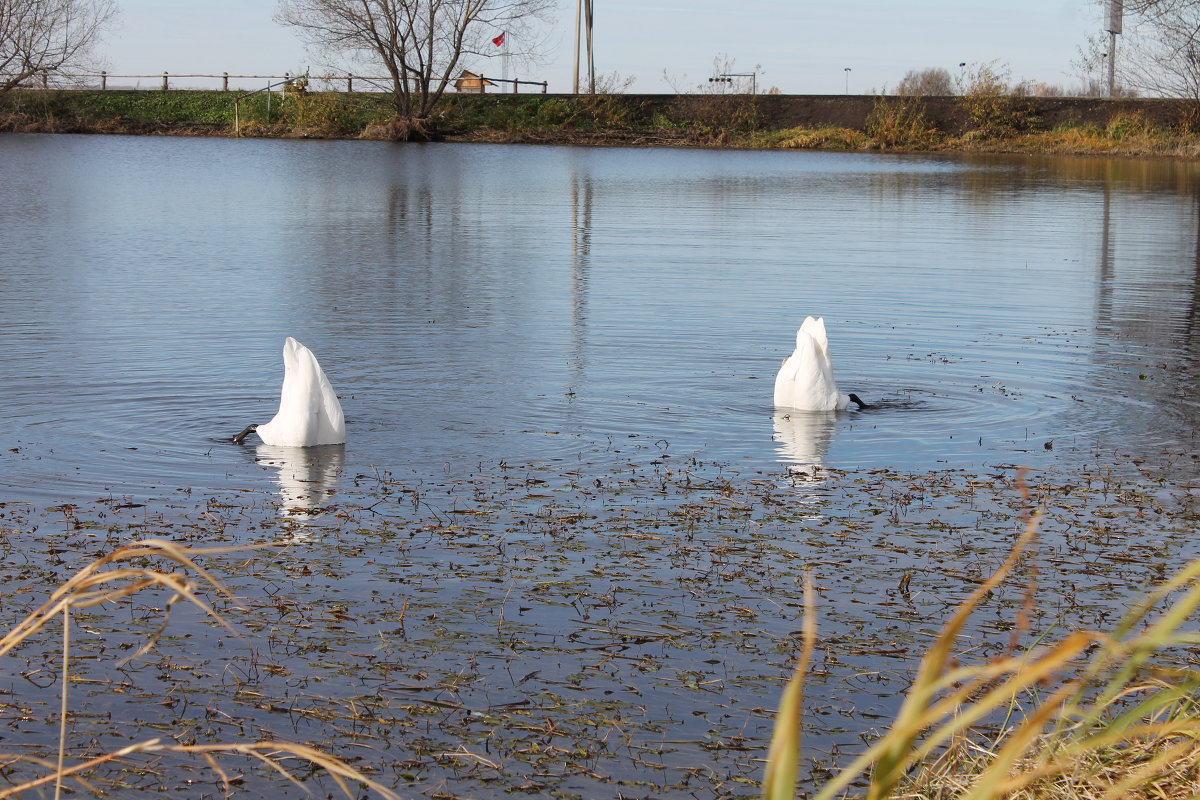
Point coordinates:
[(805, 381), (309, 411)]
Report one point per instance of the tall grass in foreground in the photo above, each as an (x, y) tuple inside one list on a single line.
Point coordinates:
[(120, 575), (1095, 715)]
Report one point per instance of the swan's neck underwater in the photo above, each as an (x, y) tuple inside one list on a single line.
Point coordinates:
[(241, 437)]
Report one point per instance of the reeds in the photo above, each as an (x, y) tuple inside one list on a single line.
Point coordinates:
[(115, 577), (1095, 715), (901, 122)]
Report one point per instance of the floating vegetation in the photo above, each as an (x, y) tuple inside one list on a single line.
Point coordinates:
[(108, 580), (549, 630)]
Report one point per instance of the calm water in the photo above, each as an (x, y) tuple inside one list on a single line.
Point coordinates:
[(488, 302), (524, 334)]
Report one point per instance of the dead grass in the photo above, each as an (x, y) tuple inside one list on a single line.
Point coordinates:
[(824, 138), (1093, 716)]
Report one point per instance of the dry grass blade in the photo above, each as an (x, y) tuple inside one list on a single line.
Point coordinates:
[(266, 751), (895, 752), (912, 717), (67, 772), (1116, 763), (1131, 657), (337, 769), (779, 779), (62, 714), (1117, 725), (81, 590), (965, 706), (93, 585)]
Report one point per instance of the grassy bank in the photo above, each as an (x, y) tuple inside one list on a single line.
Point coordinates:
[(970, 123)]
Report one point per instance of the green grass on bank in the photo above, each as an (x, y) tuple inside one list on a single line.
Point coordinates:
[(330, 115), (894, 123)]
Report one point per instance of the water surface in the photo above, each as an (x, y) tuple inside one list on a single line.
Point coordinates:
[(563, 475), (488, 301)]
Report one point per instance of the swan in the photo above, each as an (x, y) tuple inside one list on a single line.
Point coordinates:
[(805, 381), (309, 411)]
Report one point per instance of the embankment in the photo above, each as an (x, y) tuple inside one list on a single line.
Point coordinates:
[(976, 123)]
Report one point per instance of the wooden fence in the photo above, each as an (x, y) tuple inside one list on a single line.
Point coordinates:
[(374, 83)]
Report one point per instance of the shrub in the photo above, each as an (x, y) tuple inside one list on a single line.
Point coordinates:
[(714, 115), (1125, 126), (993, 108), (900, 122)]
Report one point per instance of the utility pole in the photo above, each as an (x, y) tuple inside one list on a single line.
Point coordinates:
[(587, 9), (1115, 13), (583, 8), (575, 79)]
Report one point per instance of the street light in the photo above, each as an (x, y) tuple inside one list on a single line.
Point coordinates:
[(847, 80)]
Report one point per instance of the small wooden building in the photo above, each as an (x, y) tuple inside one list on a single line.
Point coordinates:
[(470, 82)]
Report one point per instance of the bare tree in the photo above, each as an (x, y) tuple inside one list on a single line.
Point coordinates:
[(929, 82), (1160, 48), (420, 43), (39, 36)]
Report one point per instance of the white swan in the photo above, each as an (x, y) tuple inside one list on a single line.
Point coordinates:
[(805, 381), (309, 411)]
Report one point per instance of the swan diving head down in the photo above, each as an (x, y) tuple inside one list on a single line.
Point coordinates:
[(805, 381), (309, 412)]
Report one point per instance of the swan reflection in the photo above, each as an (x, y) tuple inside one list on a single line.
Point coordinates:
[(802, 439), (307, 477)]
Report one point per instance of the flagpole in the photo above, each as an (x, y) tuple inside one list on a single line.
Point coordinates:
[(501, 41)]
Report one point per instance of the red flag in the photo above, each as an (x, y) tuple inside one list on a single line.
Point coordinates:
[(499, 40)]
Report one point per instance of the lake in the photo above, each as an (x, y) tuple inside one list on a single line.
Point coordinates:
[(564, 481)]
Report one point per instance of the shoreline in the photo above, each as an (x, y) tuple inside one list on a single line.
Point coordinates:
[(1140, 128)]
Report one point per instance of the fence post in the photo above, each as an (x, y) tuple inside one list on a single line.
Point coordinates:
[(349, 84), (45, 80), (516, 84), (544, 86), (224, 81), (103, 79), (164, 82)]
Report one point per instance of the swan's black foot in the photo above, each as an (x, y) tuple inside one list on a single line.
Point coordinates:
[(241, 437), (856, 399)]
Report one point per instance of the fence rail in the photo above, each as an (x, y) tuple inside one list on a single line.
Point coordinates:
[(375, 83)]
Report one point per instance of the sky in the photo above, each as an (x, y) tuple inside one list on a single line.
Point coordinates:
[(663, 46)]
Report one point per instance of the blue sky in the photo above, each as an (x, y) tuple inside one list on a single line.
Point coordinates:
[(801, 47)]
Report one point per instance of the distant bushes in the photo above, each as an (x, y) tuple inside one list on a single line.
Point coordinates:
[(926, 83)]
